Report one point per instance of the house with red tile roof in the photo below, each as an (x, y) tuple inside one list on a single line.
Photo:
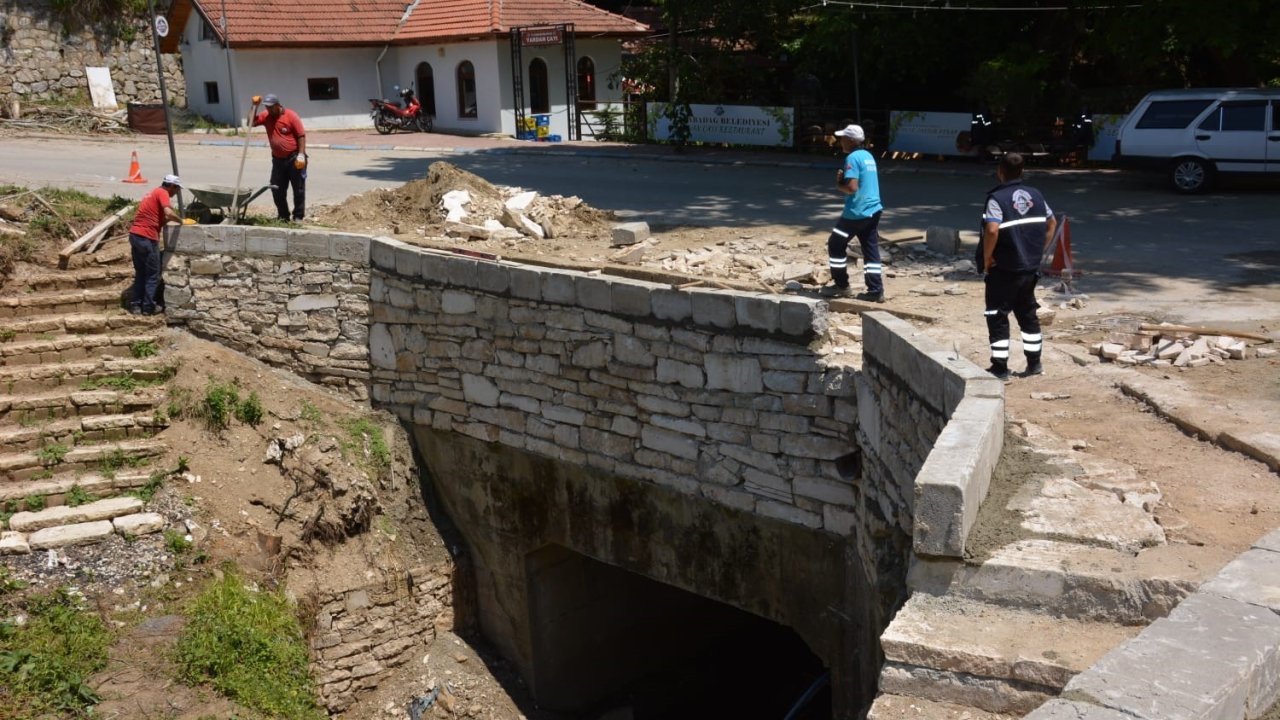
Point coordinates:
[(326, 58)]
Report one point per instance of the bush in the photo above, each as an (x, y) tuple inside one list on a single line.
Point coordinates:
[(249, 646), (249, 411), (44, 662)]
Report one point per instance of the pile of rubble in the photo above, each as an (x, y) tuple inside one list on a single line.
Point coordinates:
[(1175, 346)]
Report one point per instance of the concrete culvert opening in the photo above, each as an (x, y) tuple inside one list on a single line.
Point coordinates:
[(609, 643)]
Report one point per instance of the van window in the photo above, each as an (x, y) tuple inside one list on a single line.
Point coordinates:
[(1172, 114), (1246, 117)]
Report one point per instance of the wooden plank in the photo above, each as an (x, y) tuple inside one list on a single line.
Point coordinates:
[(859, 307), (99, 229)]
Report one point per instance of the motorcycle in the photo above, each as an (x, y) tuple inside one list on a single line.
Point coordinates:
[(388, 116)]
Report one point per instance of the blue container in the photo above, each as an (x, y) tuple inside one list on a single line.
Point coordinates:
[(542, 120), (553, 138)]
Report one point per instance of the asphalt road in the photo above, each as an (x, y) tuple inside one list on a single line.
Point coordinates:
[(1210, 258)]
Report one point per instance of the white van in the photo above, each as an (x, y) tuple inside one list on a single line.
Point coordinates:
[(1194, 135)]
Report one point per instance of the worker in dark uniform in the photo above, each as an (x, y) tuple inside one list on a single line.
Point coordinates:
[(1017, 226)]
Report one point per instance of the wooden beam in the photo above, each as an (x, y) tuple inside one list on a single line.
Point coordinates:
[(99, 229), (1207, 331)]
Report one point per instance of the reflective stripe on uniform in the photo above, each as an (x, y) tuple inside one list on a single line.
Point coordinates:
[(991, 312), (1000, 350), (840, 232), (1023, 221), (871, 268), (837, 262), (1031, 342)]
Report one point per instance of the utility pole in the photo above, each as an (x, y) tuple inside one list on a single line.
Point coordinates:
[(857, 89), (164, 94)]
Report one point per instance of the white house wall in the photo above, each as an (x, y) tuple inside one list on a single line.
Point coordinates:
[(444, 61), (605, 53), (205, 61)]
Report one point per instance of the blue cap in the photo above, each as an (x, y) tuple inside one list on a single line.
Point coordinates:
[(269, 100)]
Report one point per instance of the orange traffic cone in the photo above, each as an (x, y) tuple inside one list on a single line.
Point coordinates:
[(1063, 263), (135, 172)]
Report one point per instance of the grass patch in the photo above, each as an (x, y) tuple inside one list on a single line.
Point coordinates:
[(144, 349), (249, 646), (45, 662), (8, 334), (249, 411), (127, 383), (77, 496), (365, 439), (220, 403), (51, 455), (33, 503), (310, 414), (177, 542)]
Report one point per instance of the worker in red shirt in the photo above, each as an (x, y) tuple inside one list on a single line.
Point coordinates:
[(288, 141), (144, 239)]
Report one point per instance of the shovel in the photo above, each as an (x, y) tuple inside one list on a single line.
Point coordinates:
[(235, 198)]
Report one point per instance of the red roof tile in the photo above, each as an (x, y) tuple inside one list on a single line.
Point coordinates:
[(312, 23)]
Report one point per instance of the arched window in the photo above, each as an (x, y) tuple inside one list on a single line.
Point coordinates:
[(586, 83), (539, 98), (426, 87), (466, 89)]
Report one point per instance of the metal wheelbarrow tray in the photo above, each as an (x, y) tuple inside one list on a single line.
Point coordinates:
[(220, 197)]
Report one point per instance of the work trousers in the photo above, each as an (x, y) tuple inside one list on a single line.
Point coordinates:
[(868, 240), (1012, 292), (283, 174), (146, 272)]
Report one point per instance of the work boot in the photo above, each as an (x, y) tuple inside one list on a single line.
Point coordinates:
[(1000, 371), (834, 291), (1033, 368), (870, 297)]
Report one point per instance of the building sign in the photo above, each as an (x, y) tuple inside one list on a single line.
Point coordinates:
[(929, 133), (538, 36), (734, 124)]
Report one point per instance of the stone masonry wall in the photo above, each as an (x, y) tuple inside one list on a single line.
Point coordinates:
[(43, 61), (295, 300), (364, 633), (714, 394)]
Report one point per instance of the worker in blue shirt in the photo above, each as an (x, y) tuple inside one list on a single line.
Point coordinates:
[(860, 183)]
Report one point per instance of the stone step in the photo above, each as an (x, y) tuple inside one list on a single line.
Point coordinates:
[(70, 348), (1077, 581), (70, 535), (993, 658), (118, 276), (113, 253), (28, 465), (25, 410), (34, 378), (131, 525), (897, 707), (34, 327), (54, 489), (70, 301), (107, 509), (76, 430)]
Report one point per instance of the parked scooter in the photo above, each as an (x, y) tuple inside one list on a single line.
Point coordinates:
[(388, 116)]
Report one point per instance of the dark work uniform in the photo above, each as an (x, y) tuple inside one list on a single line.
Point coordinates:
[(1023, 216)]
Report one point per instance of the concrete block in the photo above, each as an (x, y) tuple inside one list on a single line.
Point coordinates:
[(630, 298), (306, 245), (802, 317), (408, 261), (559, 287), (672, 305), (272, 246), (460, 272), (492, 277), (307, 303), (227, 239), (1269, 542), (352, 249), (760, 312), (13, 543), (594, 293), (712, 308), (138, 524), (382, 253), (953, 482), (944, 240), (1202, 662), (526, 284), (1253, 577), (630, 233)]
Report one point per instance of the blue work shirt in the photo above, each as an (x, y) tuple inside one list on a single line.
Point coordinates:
[(860, 165)]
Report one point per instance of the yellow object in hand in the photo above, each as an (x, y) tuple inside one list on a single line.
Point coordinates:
[(300, 162), (257, 99), (188, 221)]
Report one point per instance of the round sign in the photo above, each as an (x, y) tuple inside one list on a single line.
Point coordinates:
[(162, 26)]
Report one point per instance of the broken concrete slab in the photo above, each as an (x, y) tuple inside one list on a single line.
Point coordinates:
[(139, 524), (521, 201), (13, 543), (1059, 709), (782, 273), (1065, 509)]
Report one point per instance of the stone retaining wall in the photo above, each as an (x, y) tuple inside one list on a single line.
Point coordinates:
[(364, 633), (43, 61), (295, 300)]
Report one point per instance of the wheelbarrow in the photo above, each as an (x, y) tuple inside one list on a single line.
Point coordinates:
[(213, 202)]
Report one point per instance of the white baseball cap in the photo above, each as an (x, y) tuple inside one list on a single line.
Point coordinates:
[(173, 180), (853, 132)]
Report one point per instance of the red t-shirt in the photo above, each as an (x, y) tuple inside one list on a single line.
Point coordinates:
[(282, 132), (150, 215)]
